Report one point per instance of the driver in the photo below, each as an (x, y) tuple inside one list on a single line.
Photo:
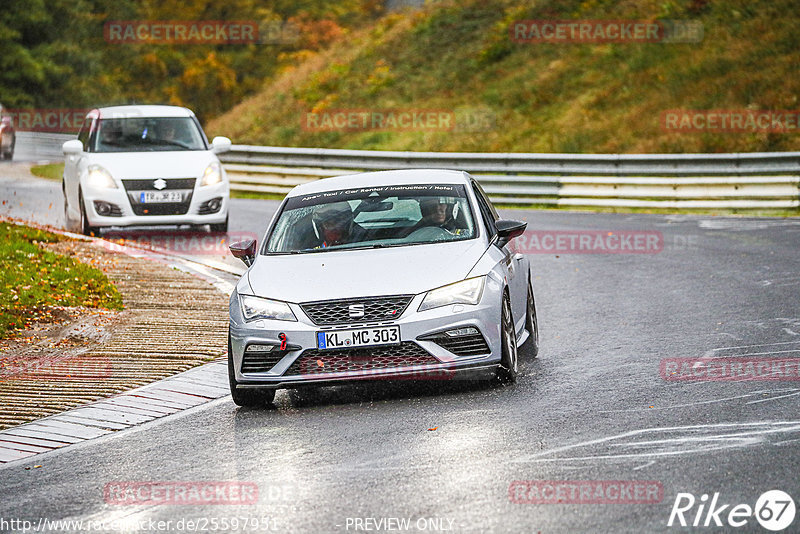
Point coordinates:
[(168, 132), (438, 212), (334, 225)]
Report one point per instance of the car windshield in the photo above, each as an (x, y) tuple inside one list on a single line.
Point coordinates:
[(372, 217), (140, 134)]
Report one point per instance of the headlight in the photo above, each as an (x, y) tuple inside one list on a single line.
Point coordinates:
[(212, 175), (258, 308), (99, 178), (464, 292)]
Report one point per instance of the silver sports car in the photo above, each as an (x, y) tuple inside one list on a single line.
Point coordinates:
[(404, 274)]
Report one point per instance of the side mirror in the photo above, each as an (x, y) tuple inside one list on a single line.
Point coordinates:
[(244, 250), (220, 145), (508, 230), (72, 147)]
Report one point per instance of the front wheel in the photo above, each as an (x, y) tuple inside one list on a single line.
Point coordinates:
[(532, 324), (253, 398), (86, 228), (509, 361), (69, 224), (220, 227)]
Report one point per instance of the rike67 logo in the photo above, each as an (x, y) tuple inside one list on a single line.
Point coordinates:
[(774, 510)]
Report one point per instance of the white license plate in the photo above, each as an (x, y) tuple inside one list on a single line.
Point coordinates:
[(359, 337), (160, 196)]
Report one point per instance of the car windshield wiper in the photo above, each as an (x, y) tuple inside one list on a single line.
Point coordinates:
[(173, 143)]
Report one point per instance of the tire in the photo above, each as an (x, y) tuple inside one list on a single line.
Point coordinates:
[(252, 398), (86, 229), (531, 324), (509, 361), (220, 227), (69, 225)]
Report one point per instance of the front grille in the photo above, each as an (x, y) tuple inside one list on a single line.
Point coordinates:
[(470, 345), (136, 187), (163, 208), (148, 184), (260, 362), (330, 312), (316, 362)]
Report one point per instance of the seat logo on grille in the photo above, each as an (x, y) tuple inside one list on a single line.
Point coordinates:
[(356, 310), (160, 184)]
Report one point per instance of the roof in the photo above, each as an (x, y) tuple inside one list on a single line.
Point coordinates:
[(368, 179), (121, 112)]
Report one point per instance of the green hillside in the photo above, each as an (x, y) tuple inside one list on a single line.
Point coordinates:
[(458, 57)]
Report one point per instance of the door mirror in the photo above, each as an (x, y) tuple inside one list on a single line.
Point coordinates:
[(508, 230), (72, 147), (244, 250), (220, 145)]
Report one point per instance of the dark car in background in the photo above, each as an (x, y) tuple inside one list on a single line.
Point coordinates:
[(8, 137)]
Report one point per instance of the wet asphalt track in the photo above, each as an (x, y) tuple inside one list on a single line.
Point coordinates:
[(593, 406)]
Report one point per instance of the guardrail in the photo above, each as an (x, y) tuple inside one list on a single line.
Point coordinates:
[(742, 181), (765, 180), (38, 145)]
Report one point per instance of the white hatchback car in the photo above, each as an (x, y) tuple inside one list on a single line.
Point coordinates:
[(144, 165)]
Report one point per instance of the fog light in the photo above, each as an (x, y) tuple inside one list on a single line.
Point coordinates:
[(459, 332), (102, 208), (214, 205)]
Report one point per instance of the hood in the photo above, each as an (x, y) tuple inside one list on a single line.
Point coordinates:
[(359, 273), (178, 164)]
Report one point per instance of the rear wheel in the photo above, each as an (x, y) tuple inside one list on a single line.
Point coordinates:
[(253, 398), (532, 324), (509, 360)]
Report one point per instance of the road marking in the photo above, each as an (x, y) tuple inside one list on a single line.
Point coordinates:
[(659, 443)]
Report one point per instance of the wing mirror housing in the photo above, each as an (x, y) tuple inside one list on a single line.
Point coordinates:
[(508, 230), (220, 145), (244, 250), (72, 147)]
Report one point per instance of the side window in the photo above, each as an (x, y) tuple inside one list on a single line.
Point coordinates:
[(487, 210), (485, 198), (83, 135)]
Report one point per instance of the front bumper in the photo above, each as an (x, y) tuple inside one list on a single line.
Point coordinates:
[(119, 197), (291, 368)]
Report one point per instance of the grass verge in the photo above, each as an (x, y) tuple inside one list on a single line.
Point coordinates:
[(33, 279), (50, 171)]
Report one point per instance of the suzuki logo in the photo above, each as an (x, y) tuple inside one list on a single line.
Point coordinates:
[(356, 310), (160, 184)]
